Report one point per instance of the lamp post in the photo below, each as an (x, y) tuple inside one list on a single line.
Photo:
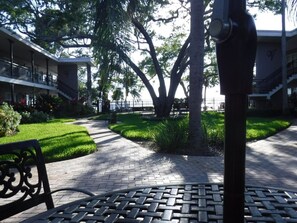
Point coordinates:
[(236, 40)]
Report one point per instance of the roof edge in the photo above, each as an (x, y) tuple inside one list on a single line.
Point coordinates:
[(276, 33), (76, 60), (27, 42)]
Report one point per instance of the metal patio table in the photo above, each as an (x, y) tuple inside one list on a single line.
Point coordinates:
[(191, 202)]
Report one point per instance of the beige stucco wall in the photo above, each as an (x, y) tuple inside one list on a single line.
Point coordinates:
[(268, 58)]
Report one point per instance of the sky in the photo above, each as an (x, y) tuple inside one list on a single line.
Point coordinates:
[(269, 21)]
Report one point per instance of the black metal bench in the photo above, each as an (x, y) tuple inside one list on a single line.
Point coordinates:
[(23, 178)]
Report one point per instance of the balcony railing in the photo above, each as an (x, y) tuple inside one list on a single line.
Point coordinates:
[(24, 73)]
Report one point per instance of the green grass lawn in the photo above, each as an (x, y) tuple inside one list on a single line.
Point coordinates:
[(58, 140), (134, 127), (61, 141)]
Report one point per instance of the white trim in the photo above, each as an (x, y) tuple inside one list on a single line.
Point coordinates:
[(65, 95), (275, 33), (258, 95)]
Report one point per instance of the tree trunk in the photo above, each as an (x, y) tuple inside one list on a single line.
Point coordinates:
[(204, 99), (163, 106), (196, 76), (185, 90)]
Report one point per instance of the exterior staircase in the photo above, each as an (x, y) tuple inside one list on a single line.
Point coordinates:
[(61, 93), (280, 86), (66, 91), (272, 84)]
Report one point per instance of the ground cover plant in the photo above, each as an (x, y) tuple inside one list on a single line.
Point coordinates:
[(169, 134), (58, 140)]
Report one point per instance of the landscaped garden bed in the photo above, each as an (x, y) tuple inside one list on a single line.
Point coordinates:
[(170, 135)]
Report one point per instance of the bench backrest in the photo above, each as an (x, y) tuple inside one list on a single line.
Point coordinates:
[(23, 178)]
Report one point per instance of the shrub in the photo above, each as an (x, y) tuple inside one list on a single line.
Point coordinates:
[(20, 107), (213, 128), (9, 120), (34, 117), (76, 108), (170, 135), (25, 117), (48, 103), (214, 136)]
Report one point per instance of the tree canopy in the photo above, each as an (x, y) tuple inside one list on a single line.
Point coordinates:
[(133, 27), (122, 29)]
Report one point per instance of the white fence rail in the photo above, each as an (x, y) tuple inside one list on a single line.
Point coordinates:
[(214, 104)]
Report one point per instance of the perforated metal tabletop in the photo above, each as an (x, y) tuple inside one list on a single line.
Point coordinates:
[(175, 203)]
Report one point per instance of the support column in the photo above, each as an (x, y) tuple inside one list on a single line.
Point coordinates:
[(47, 74), (32, 66), (12, 91), (89, 85), (32, 74)]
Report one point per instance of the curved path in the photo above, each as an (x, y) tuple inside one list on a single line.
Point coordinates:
[(120, 163)]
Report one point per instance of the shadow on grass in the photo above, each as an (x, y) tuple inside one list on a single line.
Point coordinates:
[(69, 145)]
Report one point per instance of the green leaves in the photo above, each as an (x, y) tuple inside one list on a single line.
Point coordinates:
[(50, 23), (9, 120), (266, 5)]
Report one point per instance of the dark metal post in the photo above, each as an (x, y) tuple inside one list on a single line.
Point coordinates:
[(234, 171), (235, 33)]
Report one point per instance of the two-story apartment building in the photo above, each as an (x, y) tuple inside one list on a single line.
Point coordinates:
[(267, 93), (27, 70)]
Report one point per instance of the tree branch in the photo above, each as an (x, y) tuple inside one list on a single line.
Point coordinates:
[(139, 73), (153, 54), (179, 67), (180, 57)]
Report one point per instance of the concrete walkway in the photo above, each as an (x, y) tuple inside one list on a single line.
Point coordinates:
[(120, 163)]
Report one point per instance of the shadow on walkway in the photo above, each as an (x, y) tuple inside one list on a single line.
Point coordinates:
[(120, 163)]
